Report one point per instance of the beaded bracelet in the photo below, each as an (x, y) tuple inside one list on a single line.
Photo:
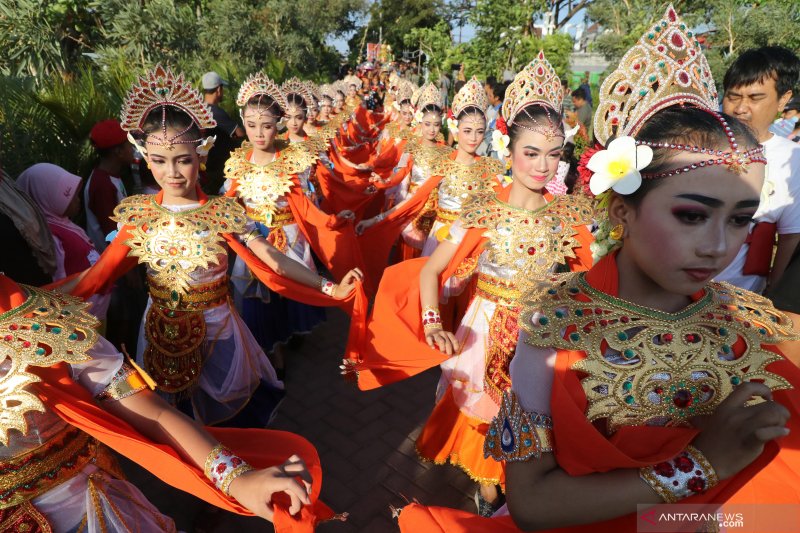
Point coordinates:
[(223, 466), (431, 319), (687, 474), (327, 287)]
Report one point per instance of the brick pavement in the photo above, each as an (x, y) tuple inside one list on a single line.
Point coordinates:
[(365, 440)]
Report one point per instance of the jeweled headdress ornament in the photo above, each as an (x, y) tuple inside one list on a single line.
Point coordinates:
[(295, 86), (327, 91), (430, 95), (404, 92), (666, 67), (352, 79), (472, 94), (313, 90), (161, 88), (259, 84), (536, 84)]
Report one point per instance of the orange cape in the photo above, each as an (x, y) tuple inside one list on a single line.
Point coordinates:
[(261, 448), (115, 261), (394, 347), (581, 449)]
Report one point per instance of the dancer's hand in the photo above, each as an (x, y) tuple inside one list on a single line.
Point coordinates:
[(735, 435), (346, 214), (255, 489), (364, 224), (363, 167), (348, 284), (442, 340)]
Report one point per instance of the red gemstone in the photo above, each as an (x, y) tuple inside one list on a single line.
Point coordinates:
[(637, 66), (671, 15), (677, 40), (667, 337), (13, 327), (221, 468), (9, 338), (684, 464), (531, 250), (604, 322), (615, 121), (696, 485), (683, 77), (26, 344), (540, 71), (625, 319), (598, 311), (664, 469), (682, 398), (705, 388), (658, 390)]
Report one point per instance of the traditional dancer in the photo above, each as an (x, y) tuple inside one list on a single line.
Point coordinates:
[(641, 381), (193, 343), (502, 239)]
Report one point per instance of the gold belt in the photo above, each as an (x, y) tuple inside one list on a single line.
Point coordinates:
[(498, 290), (445, 216), (199, 298), (280, 218), (30, 474)]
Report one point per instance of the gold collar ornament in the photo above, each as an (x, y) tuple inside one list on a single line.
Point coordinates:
[(648, 367), (461, 180), (48, 328), (531, 242), (264, 185), (175, 244)]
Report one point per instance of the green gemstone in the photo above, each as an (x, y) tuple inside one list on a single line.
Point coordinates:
[(543, 320), (762, 331), (574, 337), (629, 399), (652, 77), (627, 385), (628, 354), (560, 313), (174, 296), (551, 291), (661, 64), (73, 336), (726, 348), (723, 332), (56, 330), (622, 336), (35, 327), (574, 290), (579, 312), (657, 29), (736, 380), (40, 351), (650, 36), (643, 92)]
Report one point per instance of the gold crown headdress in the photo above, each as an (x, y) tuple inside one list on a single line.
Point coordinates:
[(472, 94), (394, 80), (313, 90), (429, 95), (161, 88), (352, 79), (405, 91), (259, 84), (327, 90), (536, 84), (295, 86), (665, 68)]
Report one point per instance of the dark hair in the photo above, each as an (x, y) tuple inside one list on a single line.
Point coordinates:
[(758, 64), (564, 82), (578, 93), (685, 125), (491, 80), (470, 110), (264, 103), (499, 89), (432, 108), (296, 99), (458, 85), (211, 91), (531, 116), (173, 118)]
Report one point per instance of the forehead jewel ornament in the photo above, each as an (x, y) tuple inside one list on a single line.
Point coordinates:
[(536, 84), (666, 67), (159, 87), (295, 86), (472, 94), (259, 84)]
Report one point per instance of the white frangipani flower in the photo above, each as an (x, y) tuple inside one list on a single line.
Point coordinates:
[(617, 167)]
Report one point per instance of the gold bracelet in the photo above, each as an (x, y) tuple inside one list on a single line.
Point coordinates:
[(687, 474)]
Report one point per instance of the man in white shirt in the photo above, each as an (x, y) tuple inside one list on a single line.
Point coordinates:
[(758, 85)]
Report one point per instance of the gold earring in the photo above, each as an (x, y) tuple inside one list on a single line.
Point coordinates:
[(203, 167), (617, 232), (148, 165)]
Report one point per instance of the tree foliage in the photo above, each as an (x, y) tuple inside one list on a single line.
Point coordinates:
[(392, 20)]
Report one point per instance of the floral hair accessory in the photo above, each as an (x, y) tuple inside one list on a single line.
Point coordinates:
[(137, 145), (617, 167), (500, 142), (206, 145), (452, 125), (500, 125), (418, 116)]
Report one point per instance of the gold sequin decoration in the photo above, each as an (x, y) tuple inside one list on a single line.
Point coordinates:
[(263, 185), (648, 367), (175, 244), (531, 242), (48, 328), (461, 180)]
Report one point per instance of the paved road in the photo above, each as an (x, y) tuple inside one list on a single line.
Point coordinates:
[(365, 440)]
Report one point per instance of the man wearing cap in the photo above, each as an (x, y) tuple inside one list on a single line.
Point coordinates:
[(229, 133), (105, 190)]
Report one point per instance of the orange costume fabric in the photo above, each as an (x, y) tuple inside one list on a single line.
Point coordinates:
[(261, 448), (394, 347), (774, 477), (115, 261)]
